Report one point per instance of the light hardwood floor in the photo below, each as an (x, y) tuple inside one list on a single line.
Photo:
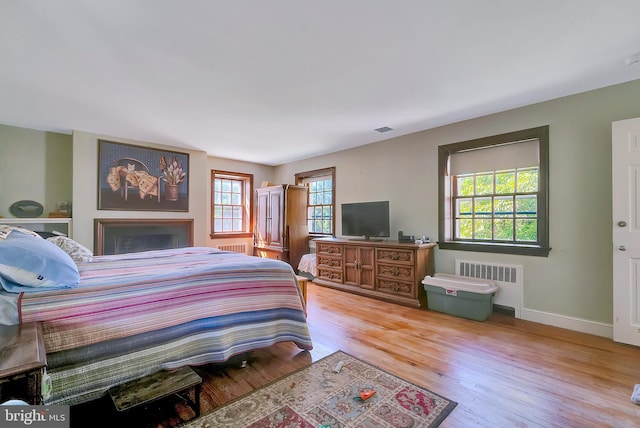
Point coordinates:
[(503, 372)]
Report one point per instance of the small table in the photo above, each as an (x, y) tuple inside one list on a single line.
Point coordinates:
[(302, 281), (156, 386), (22, 362)]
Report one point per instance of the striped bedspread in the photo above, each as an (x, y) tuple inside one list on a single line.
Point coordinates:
[(137, 313)]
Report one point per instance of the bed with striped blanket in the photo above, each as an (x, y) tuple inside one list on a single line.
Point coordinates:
[(138, 313)]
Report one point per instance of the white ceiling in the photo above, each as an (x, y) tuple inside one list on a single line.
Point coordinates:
[(281, 80)]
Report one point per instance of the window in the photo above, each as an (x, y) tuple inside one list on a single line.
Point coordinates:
[(231, 212), (321, 197), (494, 194)]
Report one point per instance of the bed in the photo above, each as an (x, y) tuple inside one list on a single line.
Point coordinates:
[(134, 314), (307, 266)]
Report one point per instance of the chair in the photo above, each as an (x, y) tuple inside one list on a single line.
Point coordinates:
[(134, 175)]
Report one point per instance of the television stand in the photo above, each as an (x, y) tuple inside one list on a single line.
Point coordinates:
[(389, 270)]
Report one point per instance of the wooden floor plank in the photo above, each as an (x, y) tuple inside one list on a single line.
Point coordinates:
[(503, 372)]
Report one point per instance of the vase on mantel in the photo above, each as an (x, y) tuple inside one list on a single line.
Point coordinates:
[(171, 192)]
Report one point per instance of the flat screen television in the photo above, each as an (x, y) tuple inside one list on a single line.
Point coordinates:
[(368, 220)]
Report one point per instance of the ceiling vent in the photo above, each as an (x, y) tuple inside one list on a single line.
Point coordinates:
[(383, 129)]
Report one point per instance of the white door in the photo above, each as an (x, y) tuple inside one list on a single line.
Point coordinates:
[(626, 230)]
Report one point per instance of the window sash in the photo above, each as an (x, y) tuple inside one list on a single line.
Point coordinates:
[(320, 204), (320, 200), (494, 217), (228, 206), (231, 213)]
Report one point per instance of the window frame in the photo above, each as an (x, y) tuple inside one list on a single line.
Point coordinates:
[(446, 217), (323, 172), (247, 181)]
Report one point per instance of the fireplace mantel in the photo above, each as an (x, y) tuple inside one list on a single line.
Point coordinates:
[(118, 235)]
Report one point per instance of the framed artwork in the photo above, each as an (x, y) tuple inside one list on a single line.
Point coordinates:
[(141, 178)]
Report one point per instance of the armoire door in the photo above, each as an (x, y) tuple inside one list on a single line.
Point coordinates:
[(261, 231), (275, 237)]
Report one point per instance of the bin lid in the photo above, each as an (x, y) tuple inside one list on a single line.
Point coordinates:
[(461, 283)]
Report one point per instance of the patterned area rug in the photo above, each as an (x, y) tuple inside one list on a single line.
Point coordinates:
[(321, 396)]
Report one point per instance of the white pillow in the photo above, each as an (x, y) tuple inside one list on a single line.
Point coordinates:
[(77, 252)]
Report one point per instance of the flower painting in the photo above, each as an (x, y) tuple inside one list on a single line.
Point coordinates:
[(142, 178)]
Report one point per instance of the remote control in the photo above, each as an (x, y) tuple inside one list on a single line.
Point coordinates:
[(339, 366)]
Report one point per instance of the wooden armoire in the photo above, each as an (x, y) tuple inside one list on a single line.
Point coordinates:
[(280, 230)]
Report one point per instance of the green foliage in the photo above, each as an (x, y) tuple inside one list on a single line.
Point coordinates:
[(527, 180), (465, 185), (483, 229), (464, 229), (526, 230), (485, 205), (484, 184), (504, 229), (503, 207), (505, 182), (527, 206)]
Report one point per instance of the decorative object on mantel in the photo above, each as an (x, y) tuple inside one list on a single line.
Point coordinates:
[(63, 210), (64, 207), (141, 178), (336, 391), (26, 209)]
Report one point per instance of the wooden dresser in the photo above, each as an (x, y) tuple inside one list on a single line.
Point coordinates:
[(386, 270)]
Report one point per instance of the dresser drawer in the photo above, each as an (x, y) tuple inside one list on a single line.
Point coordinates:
[(399, 272), (330, 262), (329, 274), (395, 255), (332, 249), (398, 288)]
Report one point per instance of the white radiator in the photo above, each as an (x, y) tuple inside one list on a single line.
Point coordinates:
[(236, 248), (508, 277)]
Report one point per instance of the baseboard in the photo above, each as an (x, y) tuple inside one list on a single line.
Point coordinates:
[(571, 323)]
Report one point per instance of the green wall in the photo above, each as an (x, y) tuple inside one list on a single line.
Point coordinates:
[(36, 166)]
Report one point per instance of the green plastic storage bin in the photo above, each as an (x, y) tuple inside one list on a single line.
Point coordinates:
[(464, 297)]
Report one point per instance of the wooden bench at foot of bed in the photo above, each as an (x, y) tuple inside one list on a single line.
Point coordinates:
[(156, 386)]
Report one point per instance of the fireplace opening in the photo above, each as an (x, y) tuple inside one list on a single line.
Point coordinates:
[(136, 243), (119, 236)]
